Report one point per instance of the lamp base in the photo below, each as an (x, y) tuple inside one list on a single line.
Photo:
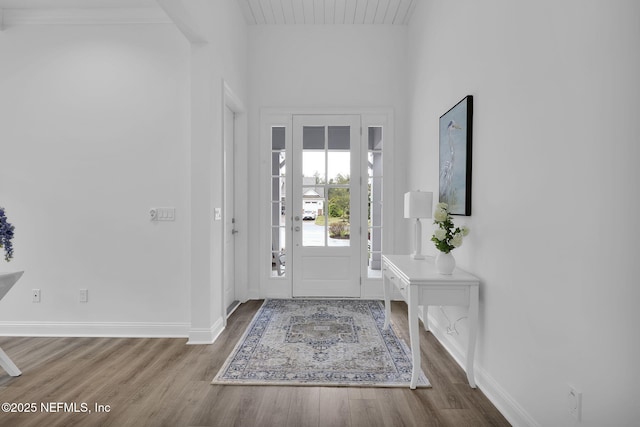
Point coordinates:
[(417, 241)]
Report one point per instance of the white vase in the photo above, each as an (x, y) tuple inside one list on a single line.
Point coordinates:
[(445, 263)]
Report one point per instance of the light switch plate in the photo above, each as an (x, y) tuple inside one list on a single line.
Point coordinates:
[(574, 400), (162, 214)]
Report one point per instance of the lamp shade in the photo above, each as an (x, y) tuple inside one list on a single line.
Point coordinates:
[(418, 204)]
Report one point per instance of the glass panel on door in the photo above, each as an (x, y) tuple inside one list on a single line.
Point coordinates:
[(339, 209), (326, 167), (313, 230), (374, 216), (314, 172), (278, 202)]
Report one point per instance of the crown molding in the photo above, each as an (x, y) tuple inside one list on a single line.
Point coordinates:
[(88, 16)]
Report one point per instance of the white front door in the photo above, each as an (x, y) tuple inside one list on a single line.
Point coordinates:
[(325, 206), (229, 211)]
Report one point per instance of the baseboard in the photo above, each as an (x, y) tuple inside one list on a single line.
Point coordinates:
[(113, 330), (95, 329), (204, 336), (252, 294), (505, 403)]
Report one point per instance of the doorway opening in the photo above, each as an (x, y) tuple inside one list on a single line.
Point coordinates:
[(325, 225)]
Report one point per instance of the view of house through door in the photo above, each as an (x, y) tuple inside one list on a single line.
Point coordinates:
[(229, 212), (326, 181)]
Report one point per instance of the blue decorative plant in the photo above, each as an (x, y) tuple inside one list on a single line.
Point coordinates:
[(6, 234)]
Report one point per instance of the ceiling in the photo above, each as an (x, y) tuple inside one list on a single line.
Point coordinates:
[(266, 12), (273, 12)]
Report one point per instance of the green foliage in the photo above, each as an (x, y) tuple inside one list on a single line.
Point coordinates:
[(446, 237), (339, 179), (338, 230), (335, 209), (339, 198)]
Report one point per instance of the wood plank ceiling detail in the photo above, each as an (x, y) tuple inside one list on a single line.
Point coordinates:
[(300, 12)]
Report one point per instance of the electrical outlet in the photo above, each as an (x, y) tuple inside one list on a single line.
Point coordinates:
[(574, 400), (35, 295), (84, 295)]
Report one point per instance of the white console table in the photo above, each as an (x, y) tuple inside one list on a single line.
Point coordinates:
[(421, 285), (7, 280)]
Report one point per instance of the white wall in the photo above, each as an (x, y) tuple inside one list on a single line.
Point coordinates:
[(324, 66), (553, 234), (101, 122), (94, 130), (222, 56)]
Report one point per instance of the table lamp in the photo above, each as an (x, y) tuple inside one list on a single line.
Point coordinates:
[(418, 204)]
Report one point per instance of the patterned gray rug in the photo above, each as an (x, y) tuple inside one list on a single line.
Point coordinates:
[(319, 343)]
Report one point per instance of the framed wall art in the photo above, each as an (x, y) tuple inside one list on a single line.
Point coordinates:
[(456, 127)]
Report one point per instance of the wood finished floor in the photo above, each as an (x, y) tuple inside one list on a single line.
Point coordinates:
[(163, 382)]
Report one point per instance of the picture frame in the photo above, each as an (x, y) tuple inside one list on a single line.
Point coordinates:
[(455, 149)]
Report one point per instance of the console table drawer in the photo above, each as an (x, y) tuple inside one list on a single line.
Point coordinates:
[(397, 283), (459, 296)]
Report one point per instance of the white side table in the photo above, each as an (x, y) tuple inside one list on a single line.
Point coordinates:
[(7, 280), (420, 284)]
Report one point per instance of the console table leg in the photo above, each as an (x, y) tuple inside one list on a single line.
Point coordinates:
[(386, 285), (8, 365), (473, 329), (425, 314), (414, 336)]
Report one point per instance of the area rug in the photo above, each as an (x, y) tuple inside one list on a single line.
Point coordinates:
[(319, 343)]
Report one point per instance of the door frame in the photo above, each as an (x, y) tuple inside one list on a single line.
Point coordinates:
[(281, 287), (228, 210), (240, 173)]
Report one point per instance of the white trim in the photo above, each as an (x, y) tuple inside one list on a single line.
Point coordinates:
[(499, 397), (231, 100), (200, 336), (271, 287), (234, 103), (274, 111), (89, 16), (95, 329), (253, 294), (372, 286)]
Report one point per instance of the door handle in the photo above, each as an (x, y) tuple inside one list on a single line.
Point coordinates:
[(297, 218), (234, 231), (297, 228)]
